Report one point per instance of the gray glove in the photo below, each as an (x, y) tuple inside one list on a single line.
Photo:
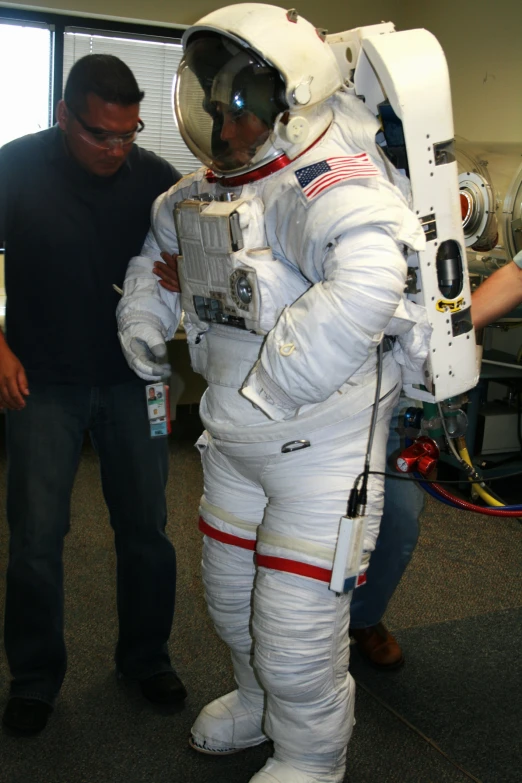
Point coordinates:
[(145, 351)]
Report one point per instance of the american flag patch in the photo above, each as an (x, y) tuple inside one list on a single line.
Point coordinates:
[(322, 175)]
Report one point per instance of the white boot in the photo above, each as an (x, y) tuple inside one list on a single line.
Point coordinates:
[(227, 725), (280, 772)]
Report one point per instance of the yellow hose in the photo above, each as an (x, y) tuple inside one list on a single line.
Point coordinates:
[(463, 451)]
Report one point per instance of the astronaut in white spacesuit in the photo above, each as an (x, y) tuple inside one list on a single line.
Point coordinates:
[(289, 278)]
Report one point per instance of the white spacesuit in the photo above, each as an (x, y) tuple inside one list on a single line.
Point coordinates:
[(289, 279)]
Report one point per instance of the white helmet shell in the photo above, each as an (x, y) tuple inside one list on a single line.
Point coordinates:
[(285, 40)]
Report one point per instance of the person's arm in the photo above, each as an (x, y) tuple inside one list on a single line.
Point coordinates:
[(497, 295), (13, 380), (147, 313), (328, 333)]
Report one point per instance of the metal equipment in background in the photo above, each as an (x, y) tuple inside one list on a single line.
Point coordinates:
[(490, 184)]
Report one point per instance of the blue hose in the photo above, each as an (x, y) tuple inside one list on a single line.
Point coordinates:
[(433, 492)]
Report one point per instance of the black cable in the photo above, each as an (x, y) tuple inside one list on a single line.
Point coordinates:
[(496, 497), (363, 496), (519, 412), (358, 497), (517, 456), (402, 477)]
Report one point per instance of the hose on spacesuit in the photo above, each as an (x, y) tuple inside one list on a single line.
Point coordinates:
[(461, 454), (358, 497), (438, 492), (479, 488)]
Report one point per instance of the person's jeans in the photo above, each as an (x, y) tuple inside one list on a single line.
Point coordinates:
[(44, 442), (398, 534)]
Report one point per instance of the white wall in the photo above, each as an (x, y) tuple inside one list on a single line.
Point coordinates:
[(482, 41), (483, 45), (334, 15)]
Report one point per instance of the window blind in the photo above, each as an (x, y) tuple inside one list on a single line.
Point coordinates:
[(154, 63)]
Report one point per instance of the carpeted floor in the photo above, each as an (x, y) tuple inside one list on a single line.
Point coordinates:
[(452, 714)]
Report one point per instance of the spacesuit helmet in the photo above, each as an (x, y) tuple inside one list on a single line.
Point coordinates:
[(249, 84), (227, 99)]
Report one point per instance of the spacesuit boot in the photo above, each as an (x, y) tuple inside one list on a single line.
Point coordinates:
[(233, 722), (279, 772)]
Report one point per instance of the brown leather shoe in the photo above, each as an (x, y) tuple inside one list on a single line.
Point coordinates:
[(378, 646)]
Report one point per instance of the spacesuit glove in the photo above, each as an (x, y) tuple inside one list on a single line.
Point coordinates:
[(145, 351)]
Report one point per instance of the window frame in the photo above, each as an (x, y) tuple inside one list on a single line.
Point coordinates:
[(59, 22)]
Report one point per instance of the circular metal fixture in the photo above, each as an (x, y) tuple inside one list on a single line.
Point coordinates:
[(241, 289), (478, 211), (244, 290), (490, 181), (512, 215)]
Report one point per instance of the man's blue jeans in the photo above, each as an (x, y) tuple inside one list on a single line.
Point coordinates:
[(398, 534), (44, 442)]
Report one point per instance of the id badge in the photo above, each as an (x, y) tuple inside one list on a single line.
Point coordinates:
[(158, 409)]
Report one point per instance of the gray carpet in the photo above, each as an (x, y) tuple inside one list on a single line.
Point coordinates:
[(461, 688), (455, 612)]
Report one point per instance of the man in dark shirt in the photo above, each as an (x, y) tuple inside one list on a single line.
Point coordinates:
[(74, 208)]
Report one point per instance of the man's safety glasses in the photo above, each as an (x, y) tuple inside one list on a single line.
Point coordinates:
[(104, 139)]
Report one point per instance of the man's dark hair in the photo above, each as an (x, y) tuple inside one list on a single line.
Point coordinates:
[(106, 76)]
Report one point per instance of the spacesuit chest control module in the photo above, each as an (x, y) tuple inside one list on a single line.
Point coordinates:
[(228, 274), (218, 285)]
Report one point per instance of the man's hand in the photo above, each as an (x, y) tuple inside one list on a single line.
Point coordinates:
[(13, 380), (168, 272)]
